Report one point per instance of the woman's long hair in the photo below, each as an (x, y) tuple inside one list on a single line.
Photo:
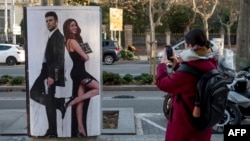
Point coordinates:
[(68, 34), (197, 37)]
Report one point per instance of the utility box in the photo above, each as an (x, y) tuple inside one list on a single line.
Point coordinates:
[(63, 85)]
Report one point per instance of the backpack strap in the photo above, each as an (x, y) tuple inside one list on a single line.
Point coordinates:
[(203, 81), (195, 72), (198, 74), (185, 105), (186, 68), (211, 73)]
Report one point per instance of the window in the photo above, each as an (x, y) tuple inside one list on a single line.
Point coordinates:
[(2, 47)]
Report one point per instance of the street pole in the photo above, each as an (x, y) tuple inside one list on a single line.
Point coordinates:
[(14, 23), (119, 32), (150, 33), (6, 22)]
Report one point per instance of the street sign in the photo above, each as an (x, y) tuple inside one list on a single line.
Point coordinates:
[(116, 21), (16, 30)]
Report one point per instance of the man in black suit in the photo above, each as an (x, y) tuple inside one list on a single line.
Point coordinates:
[(52, 75)]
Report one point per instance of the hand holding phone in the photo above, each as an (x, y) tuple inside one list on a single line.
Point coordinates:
[(169, 52)]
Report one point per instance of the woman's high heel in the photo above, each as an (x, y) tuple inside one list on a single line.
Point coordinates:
[(67, 103), (79, 134)]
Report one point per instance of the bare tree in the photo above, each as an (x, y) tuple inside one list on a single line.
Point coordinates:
[(157, 9), (243, 36), (44, 2), (57, 2), (231, 6), (206, 9), (191, 17)]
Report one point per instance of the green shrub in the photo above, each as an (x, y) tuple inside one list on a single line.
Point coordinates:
[(105, 76), (17, 80), (110, 78), (130, 55), (5, 79), (123, 54), (128, 78), (127, 55), (144, 78)]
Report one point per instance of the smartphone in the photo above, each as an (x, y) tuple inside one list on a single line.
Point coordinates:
[(169, 52)]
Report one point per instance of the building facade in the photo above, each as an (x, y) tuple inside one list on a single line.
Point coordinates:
[(13, 9)]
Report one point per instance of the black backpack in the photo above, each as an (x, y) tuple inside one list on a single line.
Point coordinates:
[(211, 96)]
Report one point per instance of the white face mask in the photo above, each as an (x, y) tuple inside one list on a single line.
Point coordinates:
[(189, 55)]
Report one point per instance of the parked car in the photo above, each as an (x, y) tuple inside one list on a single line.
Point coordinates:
[(11, 54), (110, 51), (179, 47)]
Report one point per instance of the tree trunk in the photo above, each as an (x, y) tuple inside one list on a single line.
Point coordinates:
[(206, 26), (228, 36), (44, 2), (57, 2), (243, 36)]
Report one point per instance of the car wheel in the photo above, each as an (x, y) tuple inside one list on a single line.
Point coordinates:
[(11, 61), (108, 59)]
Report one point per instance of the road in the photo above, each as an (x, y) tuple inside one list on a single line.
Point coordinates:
[(17, 70), (120, 68), (143, 101)]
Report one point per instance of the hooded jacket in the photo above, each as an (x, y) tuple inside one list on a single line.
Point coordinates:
[(179, 126)]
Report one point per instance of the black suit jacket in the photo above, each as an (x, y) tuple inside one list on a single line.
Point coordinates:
[(54, 55)]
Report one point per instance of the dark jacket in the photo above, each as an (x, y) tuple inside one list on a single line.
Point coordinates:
[(179, 126), (54, 55)]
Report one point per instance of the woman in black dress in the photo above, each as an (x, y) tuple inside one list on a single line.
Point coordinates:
[(85, 85)]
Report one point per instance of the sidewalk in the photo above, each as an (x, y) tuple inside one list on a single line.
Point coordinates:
[(13, 127)]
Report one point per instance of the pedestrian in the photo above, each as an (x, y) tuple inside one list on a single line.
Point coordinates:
[(197, 54), (53, 73), (85, 86)]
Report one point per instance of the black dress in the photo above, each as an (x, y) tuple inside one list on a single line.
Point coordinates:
[(78, 73)]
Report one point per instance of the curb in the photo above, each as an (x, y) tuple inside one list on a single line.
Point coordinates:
[(12, 88), (131, 88), (134, 62), (104, 88)]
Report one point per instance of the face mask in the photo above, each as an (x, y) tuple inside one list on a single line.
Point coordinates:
[(189, 55)]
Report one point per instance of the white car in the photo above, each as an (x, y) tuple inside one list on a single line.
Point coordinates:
[(11, 54), (178, 48)]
